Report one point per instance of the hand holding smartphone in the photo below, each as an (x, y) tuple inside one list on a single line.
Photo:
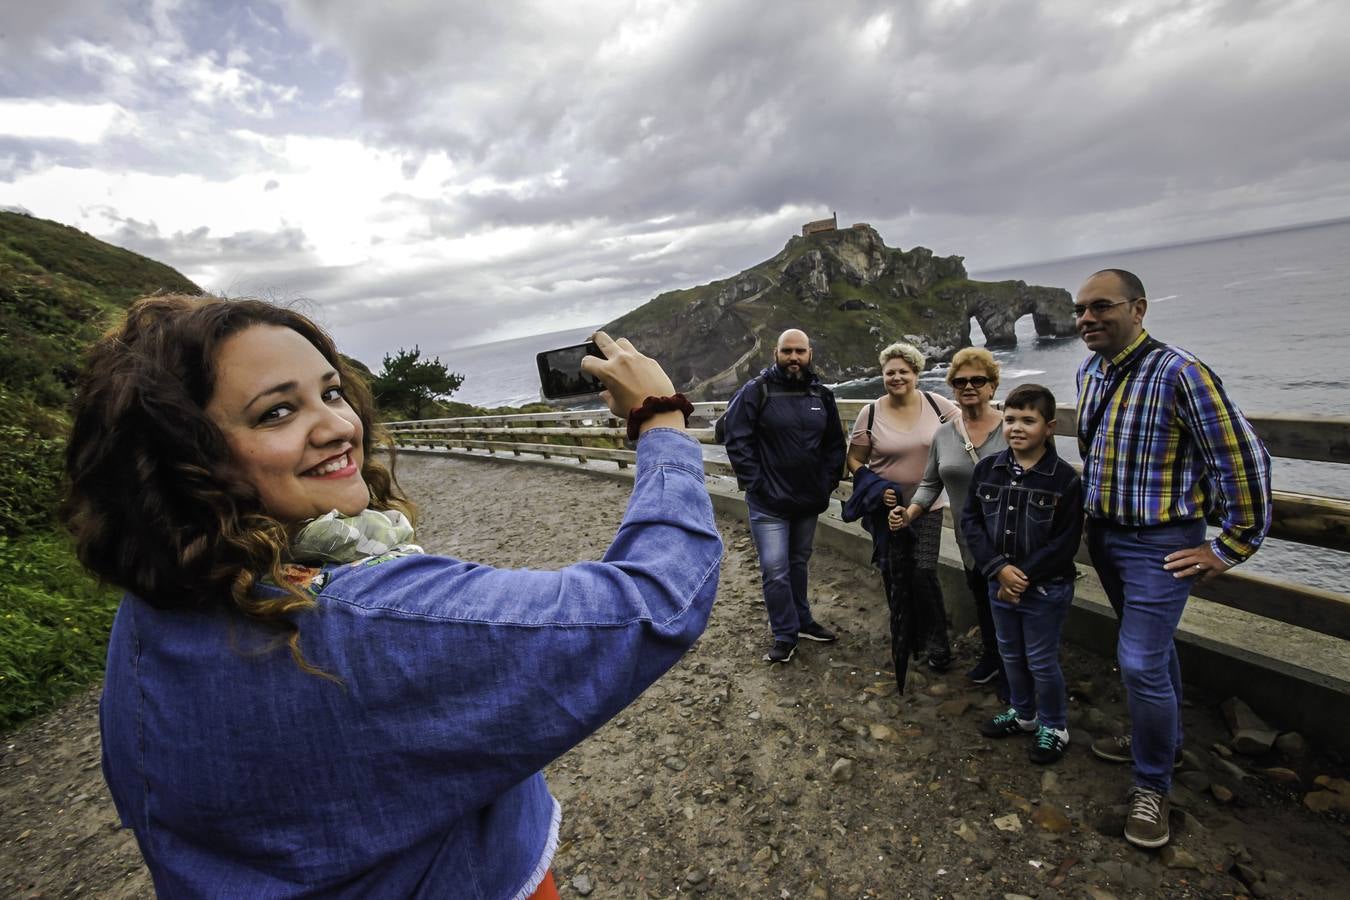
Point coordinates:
[(628, 376), (560, 372)]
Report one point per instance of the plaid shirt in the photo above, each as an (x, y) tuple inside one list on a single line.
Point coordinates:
[(1171, 446)]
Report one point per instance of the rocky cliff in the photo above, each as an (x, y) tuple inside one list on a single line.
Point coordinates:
[(851, 293)]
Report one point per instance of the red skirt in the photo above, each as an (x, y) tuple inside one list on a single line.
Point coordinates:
[(547, 889)]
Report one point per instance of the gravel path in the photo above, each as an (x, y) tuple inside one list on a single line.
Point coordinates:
[(729, 778)]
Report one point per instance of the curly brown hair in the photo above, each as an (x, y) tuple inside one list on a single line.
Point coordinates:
[(147, 504)]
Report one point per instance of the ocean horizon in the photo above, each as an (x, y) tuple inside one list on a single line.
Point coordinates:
[(1229, 299)]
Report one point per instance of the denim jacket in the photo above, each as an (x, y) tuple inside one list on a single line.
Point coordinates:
[(419, 774), (1034, 522)]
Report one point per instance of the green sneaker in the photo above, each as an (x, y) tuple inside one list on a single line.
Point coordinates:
[(1049, 746), (1006, 724)]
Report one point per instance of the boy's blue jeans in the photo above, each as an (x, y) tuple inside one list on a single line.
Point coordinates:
[(1028, 641), (784, 546), (1149, 601)]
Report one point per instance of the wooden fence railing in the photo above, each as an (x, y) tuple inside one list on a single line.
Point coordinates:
[(1300, 518)]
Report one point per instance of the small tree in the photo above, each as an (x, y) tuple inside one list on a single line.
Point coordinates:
[(412, 385)]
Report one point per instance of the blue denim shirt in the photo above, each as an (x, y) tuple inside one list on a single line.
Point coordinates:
[(1034, 522), (419, 774)]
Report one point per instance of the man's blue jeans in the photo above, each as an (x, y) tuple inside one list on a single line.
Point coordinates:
[(1028, 640), (1148, 601), (784, 546)]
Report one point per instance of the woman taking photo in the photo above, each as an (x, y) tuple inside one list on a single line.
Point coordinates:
[(891, 438), (957, 446), (298, 700)]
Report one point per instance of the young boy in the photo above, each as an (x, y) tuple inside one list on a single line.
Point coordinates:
[(1022, 521)]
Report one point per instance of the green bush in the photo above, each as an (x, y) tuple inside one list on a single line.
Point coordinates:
[(54, 624), (59, 288), (30, 485), (30, 466)]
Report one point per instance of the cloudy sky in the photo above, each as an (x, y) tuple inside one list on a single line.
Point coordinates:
[(446, 173)]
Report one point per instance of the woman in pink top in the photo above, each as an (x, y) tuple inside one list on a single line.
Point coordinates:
[(891, 437)]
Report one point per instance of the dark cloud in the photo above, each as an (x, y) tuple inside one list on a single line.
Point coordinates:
[(744, 107), (199, 247), (607, 152)]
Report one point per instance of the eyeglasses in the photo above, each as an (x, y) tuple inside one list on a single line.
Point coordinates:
[(975, 381), (1099, 307)]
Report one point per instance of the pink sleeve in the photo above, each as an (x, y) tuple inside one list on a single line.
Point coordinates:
[(859, 436)]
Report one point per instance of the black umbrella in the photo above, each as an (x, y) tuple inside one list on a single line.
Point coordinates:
[(911, 620)]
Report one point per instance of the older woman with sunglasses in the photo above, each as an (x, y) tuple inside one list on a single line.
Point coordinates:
[(957, 446)]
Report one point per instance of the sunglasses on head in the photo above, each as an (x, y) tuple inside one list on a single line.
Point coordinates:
[(975, 381)]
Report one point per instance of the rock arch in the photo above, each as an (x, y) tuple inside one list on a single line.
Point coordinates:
[(998, 315)]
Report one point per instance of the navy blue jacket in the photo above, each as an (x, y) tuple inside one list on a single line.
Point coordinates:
[(1034, 522), (867, 502), (787, 449)]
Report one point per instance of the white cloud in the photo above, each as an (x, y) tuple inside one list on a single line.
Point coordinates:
[(79, 122)]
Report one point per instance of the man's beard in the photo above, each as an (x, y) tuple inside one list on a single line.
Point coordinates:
[(803, 372)]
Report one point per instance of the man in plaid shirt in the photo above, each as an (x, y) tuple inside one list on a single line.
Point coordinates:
[(1163, 448)]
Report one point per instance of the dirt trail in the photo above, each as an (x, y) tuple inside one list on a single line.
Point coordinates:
[(725, 779)]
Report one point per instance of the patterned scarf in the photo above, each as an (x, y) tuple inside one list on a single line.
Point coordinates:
[(334, 538)]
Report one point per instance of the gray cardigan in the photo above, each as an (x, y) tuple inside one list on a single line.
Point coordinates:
[(950, 466)]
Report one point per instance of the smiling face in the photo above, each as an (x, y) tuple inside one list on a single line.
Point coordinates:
[(967, 393), (1121, 317), (898, 377), (1026, 430), (292, 436)]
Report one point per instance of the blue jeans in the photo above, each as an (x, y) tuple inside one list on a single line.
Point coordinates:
[(1148, 601), (784, 546), (1028, 641)]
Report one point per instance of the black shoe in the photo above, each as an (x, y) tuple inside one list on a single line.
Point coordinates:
[(816, 632), (1048, 747), (939, 662), (1006, 724), (985, 671), (780, 652)]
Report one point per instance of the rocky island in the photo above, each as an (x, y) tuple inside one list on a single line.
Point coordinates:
[(850, 292)]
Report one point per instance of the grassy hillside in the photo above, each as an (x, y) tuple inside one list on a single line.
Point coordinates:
[(59, 289)]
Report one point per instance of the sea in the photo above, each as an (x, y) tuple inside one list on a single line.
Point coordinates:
[(1269, 312)]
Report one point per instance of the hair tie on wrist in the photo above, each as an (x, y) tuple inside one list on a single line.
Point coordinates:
[(653, 405)]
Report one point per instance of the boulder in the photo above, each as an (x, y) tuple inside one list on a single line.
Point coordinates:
[(1241, 717)]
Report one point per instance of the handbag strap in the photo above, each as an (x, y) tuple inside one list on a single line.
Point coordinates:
[(933, 403), (1114, 384), (959, 424), (937, 411)]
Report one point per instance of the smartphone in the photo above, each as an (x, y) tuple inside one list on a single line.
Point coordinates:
[(560, 371)]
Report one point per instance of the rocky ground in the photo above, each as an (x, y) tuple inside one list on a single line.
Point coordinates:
[(733, 779)]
